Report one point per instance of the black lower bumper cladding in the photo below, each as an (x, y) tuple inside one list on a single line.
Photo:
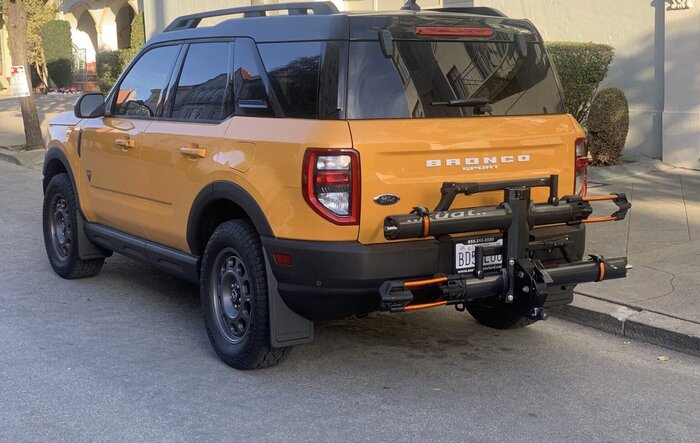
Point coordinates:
[(521, 283)]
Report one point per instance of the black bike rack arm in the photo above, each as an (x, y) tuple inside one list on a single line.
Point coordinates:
[(450, 190)]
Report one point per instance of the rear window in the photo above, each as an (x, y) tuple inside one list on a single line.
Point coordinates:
[(421, 74)]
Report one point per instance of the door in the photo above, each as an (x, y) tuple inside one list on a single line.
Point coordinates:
[(179, 151), (111, 146)]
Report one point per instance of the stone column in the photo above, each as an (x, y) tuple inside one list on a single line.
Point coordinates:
[(681, 117)]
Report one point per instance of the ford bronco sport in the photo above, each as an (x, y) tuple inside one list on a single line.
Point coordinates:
[(301, 164)]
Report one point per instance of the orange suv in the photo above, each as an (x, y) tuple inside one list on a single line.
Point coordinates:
[(316, 164)]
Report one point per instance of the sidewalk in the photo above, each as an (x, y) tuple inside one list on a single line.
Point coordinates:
[(658, 301)]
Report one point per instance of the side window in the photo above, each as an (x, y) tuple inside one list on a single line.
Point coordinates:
[(201, 92), (141, 89), (250, 96), (293, 69)]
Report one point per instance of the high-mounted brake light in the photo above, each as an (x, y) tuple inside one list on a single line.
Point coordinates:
[(581, 167), (447, 31), (331, 184)]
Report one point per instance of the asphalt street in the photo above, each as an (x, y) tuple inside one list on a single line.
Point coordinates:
[(124, 357)]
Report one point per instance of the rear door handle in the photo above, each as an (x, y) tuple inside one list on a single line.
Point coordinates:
[(193, 151), (125, 143)]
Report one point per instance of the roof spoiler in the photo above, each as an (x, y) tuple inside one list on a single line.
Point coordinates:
[(475, 10), (193, 20)]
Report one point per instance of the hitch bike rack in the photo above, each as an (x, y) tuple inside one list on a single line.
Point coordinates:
[(522, 282)]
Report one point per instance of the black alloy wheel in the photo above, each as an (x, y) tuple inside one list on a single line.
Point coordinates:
[(231, 292)]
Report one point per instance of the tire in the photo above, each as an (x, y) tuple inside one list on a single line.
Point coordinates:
[(60, 220), (494, 318), (233, 293)]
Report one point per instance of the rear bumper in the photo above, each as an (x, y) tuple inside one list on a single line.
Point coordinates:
[(335, 280)]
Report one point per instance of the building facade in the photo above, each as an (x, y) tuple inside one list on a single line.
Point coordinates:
[(96, 26)]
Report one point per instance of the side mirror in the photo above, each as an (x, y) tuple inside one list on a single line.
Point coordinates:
[(90, 105)]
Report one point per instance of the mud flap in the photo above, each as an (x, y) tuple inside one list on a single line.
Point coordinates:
[(287, 328), (87, 250)]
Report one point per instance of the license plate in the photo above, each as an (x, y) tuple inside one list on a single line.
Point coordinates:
[(465, 254)]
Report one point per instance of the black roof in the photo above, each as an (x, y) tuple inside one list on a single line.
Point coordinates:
[(327, 23)]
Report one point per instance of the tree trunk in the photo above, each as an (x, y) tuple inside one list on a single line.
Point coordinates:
[(43, 71), (16, 17)]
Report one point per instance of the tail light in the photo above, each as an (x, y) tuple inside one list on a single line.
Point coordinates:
[(331, 184), (581, 168)]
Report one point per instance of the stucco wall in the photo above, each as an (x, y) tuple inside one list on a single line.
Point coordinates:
[(159, 13), (628, 26), (681, 118)]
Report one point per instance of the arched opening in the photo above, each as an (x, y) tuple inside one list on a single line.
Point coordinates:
[(124, 17), (85, 38)]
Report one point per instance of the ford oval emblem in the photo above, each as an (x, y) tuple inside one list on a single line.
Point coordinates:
[(387, 199)]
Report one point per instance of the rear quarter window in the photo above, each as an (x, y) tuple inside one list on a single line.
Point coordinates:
[(294, 72)]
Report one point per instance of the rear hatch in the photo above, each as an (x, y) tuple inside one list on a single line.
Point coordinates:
[(452, 97)]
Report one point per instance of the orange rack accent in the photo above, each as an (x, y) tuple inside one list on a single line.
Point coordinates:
[(600, 198), (425, 306), (420, 283)]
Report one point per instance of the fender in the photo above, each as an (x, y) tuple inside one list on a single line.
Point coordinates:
[(54, 153), (224, 190), (86, 249)]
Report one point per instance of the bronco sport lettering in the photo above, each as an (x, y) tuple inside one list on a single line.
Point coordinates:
[(312, 165), (486, 161)]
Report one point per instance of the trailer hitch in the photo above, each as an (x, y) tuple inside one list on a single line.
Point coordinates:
[(521, 283)]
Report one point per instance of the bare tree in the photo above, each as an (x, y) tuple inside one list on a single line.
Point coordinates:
[(16, 18)]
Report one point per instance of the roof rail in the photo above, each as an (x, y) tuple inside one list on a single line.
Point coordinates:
[(477, 10), (193, 20)]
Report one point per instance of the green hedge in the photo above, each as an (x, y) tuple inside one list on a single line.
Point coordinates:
[(58, 49), (608, 124), (582, 67), (138, 32), (110, 65)]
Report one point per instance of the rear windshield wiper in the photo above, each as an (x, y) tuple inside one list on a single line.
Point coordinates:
[(464, 102), (480, 104)]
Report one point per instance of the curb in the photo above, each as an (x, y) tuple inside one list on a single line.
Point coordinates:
[(651, 327), (23, 158)]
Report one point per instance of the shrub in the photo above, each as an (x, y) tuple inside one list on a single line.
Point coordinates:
[(110, 65), (58, 49), (608, 123), (138, 32), (582, 67)]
